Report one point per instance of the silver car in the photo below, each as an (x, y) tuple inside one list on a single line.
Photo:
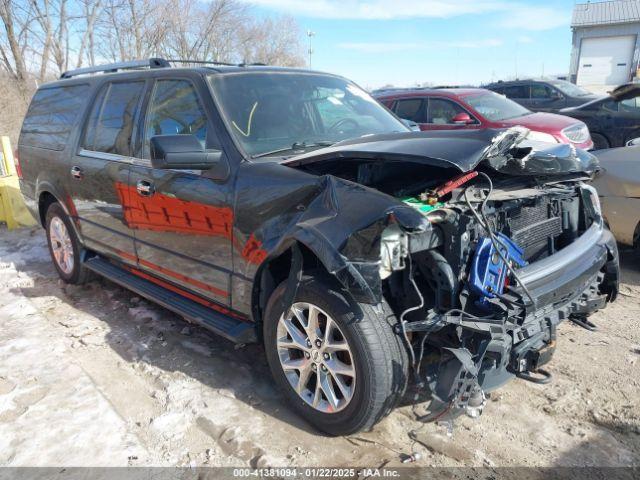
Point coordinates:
[(618, 185)]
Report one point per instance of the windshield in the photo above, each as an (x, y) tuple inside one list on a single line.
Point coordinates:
[(272, 113), (570, 89), (495, 107)]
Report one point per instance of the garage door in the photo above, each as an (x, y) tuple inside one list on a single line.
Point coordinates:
[(606, 60)]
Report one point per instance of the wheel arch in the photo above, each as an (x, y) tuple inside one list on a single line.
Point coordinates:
[(46, 197), (636, 236), (604, 136), (275, 270), (281, 266)]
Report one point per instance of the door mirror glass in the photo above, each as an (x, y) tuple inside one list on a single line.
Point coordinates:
[(182, 152), (462, 118)]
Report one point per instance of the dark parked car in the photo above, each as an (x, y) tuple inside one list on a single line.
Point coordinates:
[(290, 208), (476, 108), (613, 119), (543, 95)]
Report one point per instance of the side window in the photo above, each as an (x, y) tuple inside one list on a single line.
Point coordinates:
[(441, 111), (611, 106), (411, 109), (112, 118), (631, 105), (517, 91), (540, 91), (174, 109), (52, 115)]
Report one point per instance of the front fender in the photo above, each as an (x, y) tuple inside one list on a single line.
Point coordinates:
[(359, 278), (343, 226)]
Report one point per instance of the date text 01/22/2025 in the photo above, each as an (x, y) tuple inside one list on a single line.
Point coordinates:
[(315, 472)]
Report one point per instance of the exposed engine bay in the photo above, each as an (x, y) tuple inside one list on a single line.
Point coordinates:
[(478, 296)]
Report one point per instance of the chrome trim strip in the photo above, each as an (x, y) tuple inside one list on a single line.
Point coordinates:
[(110, 157), (113, 157)]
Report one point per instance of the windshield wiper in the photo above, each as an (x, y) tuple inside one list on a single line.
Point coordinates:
[(296, 146)]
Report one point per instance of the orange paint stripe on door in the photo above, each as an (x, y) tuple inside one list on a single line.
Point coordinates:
[(184, 293), (176, 275)]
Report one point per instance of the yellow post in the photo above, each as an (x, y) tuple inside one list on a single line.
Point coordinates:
[(12, 208)]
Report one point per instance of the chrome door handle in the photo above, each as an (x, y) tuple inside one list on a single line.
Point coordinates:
[(76, 172), (145, 188)]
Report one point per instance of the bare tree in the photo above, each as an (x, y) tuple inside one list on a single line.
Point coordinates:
[(55, 21), (274, 41), (130, 29), (13, 43), (41, 38), (90, 11), (205, 31)]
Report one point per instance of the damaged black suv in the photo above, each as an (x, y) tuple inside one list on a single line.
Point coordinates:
[(288, 207)]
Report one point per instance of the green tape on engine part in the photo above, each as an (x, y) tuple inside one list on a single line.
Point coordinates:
[(420, 205)]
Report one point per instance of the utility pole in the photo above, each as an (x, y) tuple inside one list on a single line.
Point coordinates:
[(310, 34)]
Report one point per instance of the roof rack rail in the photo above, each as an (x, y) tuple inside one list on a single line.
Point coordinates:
[(200, 62), (149, 63), (114, 67), (213, 62)]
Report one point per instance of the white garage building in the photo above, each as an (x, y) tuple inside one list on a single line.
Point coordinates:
[(606, 43)]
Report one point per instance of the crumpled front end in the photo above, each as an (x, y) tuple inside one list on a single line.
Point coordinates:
[(480, 302), (480, 259)]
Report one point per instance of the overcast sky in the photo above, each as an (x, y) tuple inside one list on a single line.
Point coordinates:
[(402, 42)]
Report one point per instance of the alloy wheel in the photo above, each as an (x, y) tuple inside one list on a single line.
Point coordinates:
[(316, 358), (61, 245)]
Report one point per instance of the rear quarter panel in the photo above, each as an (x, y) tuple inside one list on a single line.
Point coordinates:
[(619, 188), (43, 170), (48, 169)]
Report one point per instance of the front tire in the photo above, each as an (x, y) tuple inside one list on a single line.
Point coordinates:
[(600, 142), (64, 246), (339, 363)]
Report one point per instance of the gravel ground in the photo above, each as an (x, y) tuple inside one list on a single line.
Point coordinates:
[(96, 376)]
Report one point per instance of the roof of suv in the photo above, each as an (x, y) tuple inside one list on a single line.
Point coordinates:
[(428, 92), (501, 83), (154, 65)]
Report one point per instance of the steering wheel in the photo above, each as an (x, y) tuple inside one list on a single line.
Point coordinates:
[(342, 123)]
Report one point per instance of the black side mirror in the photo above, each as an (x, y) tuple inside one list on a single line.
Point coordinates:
[(182, 152)]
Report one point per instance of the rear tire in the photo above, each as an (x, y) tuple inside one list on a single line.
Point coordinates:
[(600, 142), (64, 246), (376, 363)]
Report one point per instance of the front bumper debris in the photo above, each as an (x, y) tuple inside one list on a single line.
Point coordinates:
[(578, 279)]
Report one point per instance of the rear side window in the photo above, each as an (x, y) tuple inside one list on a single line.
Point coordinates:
[(110, 124), (411, 109), (52, 115), (517, 91)]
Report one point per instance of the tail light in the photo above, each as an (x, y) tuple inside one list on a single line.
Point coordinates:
[(16, 162)]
